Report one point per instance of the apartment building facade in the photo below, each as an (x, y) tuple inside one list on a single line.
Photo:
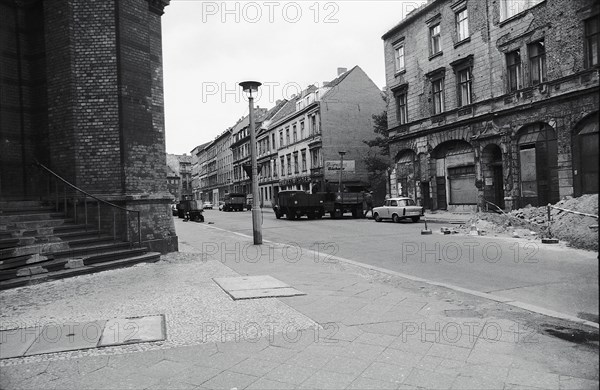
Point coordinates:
[(494, 102), (198, 158), (180, 165), (312, 128), (219, 168)]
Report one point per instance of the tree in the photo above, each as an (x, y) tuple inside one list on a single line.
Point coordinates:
[(378, 159)]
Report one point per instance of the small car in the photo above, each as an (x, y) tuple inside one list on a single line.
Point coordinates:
[(207, 205), (398, 209), (221, 205)]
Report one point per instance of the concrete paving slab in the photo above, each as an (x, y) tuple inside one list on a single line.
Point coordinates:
[(260, 286), (15, 342), (265, 293), (119, 331), (249, 282), (67, 337)]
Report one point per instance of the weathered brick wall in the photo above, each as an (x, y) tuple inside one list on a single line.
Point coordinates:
[(418, 63), (23, 125), (496, 117)]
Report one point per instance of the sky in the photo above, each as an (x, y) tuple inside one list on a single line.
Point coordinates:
[(211, 46)]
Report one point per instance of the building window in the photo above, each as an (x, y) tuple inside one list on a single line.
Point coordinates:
[(303, 160), (462, 25), (592, 40), (302, 135), (437, 89), (282, 165), (399, 58), (294, 133), (315, 158), (464, 87), (289, 164), (435, 39), (281, 138), (537, 62), (513, 65), (510, 8), (313, 124), (274, 168), (273, 141), (287, 136), (296, 166), (401, 108)]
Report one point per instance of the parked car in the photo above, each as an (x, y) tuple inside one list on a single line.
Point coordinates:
[(398, 209), (221, 205), (207, 205)]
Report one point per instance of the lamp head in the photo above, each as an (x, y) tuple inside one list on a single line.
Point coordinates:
[(342, 153), (250, 86)]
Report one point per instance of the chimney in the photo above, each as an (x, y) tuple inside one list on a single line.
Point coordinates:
[(342, 71)]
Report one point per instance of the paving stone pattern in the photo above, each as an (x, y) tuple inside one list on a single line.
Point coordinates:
[(353, 329)]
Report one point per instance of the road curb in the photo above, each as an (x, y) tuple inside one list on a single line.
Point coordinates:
[(492, 297)]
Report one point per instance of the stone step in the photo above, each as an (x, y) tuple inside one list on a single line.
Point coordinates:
[(149, 257), (20, 261), (84, 241), (40, 248), (8, 219), (45, 231), (33, 225), (16, 241), (21, 205), (92, 249)]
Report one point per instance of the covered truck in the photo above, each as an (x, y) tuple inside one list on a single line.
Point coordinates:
[(234, 202), (295, 204)]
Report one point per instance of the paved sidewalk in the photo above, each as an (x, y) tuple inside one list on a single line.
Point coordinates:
[(353, 329)]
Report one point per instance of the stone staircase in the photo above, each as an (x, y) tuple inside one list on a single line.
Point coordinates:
[(38, 244)]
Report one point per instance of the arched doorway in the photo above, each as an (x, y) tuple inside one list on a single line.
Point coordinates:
[(493, 179), (585, 156), (406, 173), (538, 164), (454, 169)]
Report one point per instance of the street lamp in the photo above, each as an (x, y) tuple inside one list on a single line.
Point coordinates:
[(340, 183), (249, 87)]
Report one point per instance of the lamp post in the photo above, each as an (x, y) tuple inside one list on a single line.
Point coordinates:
[(249, 87), (340, 183)]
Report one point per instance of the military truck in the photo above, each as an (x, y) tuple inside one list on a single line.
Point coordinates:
[(190, 210), (295, 204), (234, 202)]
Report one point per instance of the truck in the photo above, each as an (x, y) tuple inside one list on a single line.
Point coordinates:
[(234, 202), (295, 204), (190, 210)]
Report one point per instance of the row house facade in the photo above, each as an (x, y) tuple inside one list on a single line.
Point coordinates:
[(198, 169), (494, 102), (217, 181), (299, 150), (181, 165), (240, 147)]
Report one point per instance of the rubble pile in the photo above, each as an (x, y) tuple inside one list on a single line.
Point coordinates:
[(532, 222)]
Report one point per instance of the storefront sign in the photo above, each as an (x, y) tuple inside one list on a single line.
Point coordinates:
[(334, 166)]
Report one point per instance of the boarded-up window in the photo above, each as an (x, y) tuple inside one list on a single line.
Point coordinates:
[(462, 185), (528, 172)]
